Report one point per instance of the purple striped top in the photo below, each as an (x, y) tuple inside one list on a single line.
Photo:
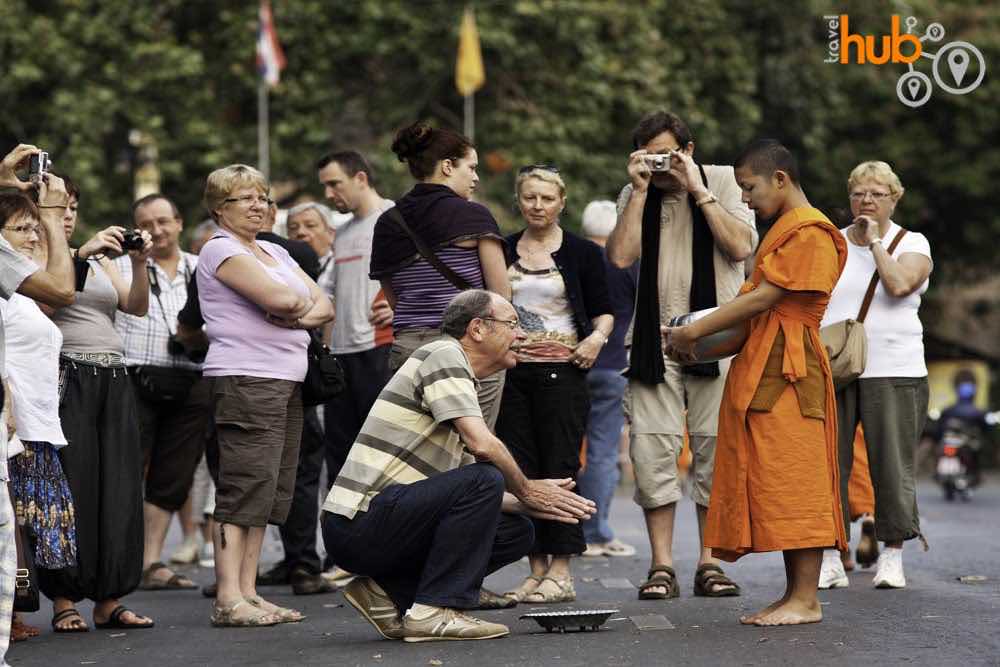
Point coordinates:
[(422, 293)]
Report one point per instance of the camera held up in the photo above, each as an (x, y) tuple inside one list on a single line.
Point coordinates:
[(658, 161), (38, 166)]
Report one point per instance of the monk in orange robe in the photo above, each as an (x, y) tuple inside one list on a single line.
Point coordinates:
[(861, 505), (776, 484)]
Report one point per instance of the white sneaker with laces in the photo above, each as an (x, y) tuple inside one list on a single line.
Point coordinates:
[(890, 569), (832, 574)]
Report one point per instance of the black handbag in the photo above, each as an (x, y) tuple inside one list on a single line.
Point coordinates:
[(325, 376), (25, 586), (159, 384)]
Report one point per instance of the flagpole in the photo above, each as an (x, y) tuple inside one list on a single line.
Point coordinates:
[(470, 117), (263, 131)]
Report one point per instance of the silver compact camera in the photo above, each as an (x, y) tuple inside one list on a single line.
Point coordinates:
[(658, 161), (38, 166)]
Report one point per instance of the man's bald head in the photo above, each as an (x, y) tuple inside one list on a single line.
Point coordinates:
[(766, 156)]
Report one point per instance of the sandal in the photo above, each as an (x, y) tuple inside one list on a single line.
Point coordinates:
[(73, 617), (867, 552), (490, 600), (20, 631), (561, 590), (708, 576), (284, 614), (175, 582), (226, 617), (116, 622), (526, 588), (618, 549), (660, 576)]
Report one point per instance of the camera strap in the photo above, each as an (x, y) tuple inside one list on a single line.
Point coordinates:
[(154, 287)]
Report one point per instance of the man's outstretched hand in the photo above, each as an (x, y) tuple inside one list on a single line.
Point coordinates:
[(553, 500)]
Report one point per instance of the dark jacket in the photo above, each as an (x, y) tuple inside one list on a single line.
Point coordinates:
[(581, 264)]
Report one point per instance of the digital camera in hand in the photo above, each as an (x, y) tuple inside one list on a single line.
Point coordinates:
[(658, 161), (38, 166), (133, 240)]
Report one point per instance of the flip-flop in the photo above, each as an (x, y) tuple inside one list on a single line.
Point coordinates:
[(66, 614), (115, 621)]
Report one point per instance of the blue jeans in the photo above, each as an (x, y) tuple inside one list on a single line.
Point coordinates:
[(604, 428)]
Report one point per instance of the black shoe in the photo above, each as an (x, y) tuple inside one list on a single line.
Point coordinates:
[(210, 590), (276, 576), (305, 582)]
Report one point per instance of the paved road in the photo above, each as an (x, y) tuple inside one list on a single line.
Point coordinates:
[(935, 621)]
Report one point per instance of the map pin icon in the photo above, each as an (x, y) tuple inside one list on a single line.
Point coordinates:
[(958, 63), (914, 86)]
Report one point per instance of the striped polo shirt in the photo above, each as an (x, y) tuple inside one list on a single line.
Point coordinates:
[(408, 436)]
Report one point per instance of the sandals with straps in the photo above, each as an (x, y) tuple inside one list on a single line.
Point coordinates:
[(660, 576), (706, 579), (561, 591), (175, 583), (71, 616), (522, 591)]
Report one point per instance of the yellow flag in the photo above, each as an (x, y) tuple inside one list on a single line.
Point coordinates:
[(469, 73)]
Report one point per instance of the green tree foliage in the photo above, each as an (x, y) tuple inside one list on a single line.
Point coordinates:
[(566, 82)]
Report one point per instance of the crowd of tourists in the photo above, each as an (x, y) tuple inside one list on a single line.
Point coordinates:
[(487, 381)]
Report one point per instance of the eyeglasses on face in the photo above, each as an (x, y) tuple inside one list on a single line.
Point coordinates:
[(544, 167), (24, 229), (877, 197), (513, 324), (249, 200)]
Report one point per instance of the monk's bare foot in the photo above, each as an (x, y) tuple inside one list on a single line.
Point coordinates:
[(792, 612), (751, 619)]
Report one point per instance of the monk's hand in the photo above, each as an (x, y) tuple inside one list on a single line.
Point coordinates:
[(554, 499), (678, 344), (587, 350), (866, 229), (638, 170)]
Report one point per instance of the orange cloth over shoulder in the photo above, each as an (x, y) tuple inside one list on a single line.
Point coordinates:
[(776, 482), (860, 493)]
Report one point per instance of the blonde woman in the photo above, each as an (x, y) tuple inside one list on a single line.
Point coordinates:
[(559, 290), (890, 398), (257, 304)]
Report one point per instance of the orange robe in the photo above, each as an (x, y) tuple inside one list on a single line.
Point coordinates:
[(860, 493), (776, 483)]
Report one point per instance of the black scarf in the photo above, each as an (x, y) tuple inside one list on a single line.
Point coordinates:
[(646, 361)]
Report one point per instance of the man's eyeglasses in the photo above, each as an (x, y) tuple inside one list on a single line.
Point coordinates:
[(544, 167), (877, 197), (249, 200), (513, 324)]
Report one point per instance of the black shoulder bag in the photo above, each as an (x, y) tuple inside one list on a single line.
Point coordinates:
[(325, 376), (158, 384), (428, 254)]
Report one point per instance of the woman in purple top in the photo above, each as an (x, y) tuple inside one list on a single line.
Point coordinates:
[(461, 233), (257, 304)]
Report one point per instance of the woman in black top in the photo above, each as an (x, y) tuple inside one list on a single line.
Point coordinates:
[(559, 287)]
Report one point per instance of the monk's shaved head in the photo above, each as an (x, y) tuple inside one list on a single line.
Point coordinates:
[(766, 156)]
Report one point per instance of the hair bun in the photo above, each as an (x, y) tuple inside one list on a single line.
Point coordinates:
[(412, 140)]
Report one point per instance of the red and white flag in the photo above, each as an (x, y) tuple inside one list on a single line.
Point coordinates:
[(270, 57)]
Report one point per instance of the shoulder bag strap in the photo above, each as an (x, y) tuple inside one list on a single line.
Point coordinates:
[(870, 294), (428, 254)]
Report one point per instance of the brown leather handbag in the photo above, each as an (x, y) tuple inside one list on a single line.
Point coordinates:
[(845, 341)]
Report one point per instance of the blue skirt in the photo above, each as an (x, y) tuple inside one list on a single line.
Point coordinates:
[(43, 502)]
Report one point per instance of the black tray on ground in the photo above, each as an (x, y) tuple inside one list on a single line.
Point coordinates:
[(581, 619)]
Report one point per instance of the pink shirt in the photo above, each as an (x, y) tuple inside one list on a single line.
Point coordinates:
[(242, 341)]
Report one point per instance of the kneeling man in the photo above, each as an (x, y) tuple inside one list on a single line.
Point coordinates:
[(421, 509)]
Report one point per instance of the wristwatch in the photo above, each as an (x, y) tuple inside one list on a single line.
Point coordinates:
[(707, 199)]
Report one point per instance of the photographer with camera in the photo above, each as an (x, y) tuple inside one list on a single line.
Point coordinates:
[(691, 229), (173, 402), (103, 464)]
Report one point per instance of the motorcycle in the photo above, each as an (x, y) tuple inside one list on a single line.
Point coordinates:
[(955, 465)]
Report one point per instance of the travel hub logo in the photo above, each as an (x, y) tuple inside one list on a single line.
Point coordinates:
[(964, 63)]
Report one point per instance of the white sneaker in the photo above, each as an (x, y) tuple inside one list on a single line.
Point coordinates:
[(207, 558), (890, 570), (832, 574)]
